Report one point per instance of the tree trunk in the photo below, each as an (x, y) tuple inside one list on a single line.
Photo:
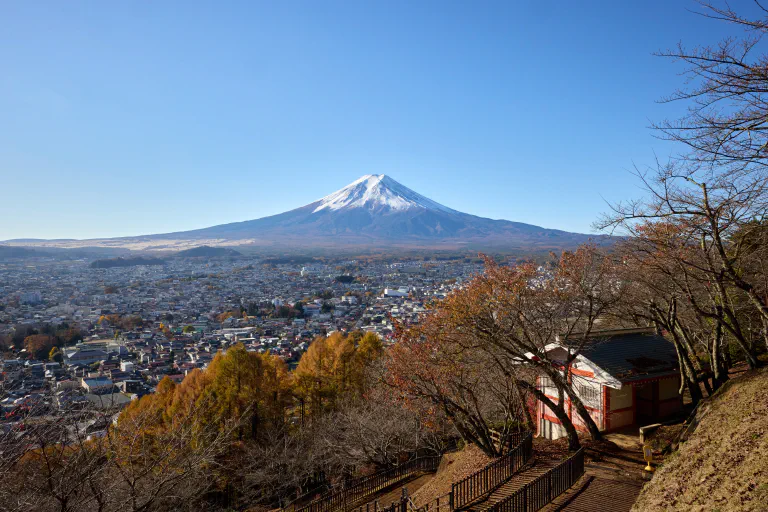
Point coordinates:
[(586, 418), (564, 386), (687, 373), (562, 416), (719, 371)]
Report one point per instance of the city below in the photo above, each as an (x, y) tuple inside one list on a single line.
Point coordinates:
[(128, 327)]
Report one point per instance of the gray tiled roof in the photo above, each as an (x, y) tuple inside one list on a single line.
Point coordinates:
[(632, 356)]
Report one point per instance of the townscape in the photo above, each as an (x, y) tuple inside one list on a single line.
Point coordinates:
[(129, 327)]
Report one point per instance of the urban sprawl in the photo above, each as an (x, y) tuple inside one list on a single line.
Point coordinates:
[(126, 328)]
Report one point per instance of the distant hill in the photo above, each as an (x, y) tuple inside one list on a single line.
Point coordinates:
[(126, 262), (9, 252), (205, 251)]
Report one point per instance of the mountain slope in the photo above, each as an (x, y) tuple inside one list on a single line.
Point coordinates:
[(377, 209), (373, 211)]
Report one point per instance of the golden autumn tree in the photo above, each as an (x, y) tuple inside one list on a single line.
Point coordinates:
[(315, 377), (39, 345), (334, 367), (247, 385), (238, 386), (164, 446), (369, 350), (150, 413), (191, 429)]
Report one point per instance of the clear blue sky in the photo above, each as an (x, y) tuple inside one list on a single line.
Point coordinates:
[(128, 118)]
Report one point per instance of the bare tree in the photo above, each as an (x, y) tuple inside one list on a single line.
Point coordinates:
[(715, 193), (52, 462), (726, 124), (428, 368)]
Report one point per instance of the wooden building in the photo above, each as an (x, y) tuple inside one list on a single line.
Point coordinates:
[(624, 377)]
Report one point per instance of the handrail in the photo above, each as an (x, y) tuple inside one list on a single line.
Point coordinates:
[(486, 480), (444, 502), (315, 490), (365, 486), (537, 494), (401, 505), (512, 438)]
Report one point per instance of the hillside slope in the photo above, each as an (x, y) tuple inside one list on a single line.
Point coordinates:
[(453, 467), (724, 464)]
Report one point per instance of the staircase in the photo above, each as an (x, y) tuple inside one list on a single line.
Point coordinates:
[(526, 475), (363, 490), (387, 499)]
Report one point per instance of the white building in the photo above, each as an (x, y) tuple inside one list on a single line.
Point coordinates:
[(400, 292)]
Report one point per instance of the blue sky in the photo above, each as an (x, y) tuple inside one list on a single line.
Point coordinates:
[(128, 118)]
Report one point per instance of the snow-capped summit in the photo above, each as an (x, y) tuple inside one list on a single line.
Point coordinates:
[(375, 192)]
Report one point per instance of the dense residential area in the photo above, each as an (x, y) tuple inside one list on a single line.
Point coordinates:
[(110, 335)]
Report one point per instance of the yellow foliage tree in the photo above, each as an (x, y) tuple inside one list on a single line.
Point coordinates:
[(252, 387), (334, 367), (246, 388)]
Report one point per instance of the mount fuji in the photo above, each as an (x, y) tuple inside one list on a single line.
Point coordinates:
[(373, 211)]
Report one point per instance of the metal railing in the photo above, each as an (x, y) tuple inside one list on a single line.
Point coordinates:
[(349, 496), (322, 490), (502, 439), (401, 505), (538, 493), (442, 503), (492, 476)]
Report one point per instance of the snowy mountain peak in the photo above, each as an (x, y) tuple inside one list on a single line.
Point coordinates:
[(377, 192)]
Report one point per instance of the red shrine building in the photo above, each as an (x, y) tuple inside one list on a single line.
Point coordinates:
[(624, 377)]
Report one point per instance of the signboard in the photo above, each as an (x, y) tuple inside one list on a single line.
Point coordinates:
[(648, 456)]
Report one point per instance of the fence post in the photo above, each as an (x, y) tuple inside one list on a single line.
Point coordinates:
[(525, 498), (549, 486), (573, 473), (450, 500)]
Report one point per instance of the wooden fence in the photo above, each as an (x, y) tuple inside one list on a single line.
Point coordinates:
[(492, 476), (322, 490), (535, 495), (341, 500)]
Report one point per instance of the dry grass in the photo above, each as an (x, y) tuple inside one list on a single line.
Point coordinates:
[(724, 464)]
